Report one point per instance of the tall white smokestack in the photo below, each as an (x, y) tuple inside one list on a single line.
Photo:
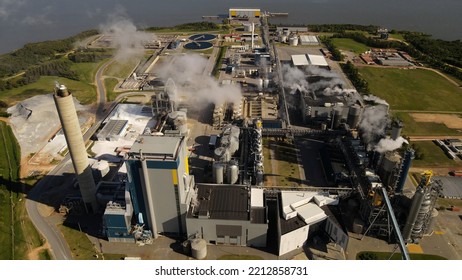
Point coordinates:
[(68, 116), (253, 32)]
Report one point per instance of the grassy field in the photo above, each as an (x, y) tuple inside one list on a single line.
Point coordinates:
[(350, 45), (110, 83), (283, 159), (87, 71), (121, 70), (80, 245), (433, 156), (17, 234), (413, 128), (84, 92), (416, 89)]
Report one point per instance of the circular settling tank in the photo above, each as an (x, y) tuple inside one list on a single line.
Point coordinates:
[(203, 37), (198, 46)]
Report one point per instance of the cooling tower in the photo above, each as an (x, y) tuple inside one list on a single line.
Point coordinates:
[(68, 116)]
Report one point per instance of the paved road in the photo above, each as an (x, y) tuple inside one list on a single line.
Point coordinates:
[(58, 246)]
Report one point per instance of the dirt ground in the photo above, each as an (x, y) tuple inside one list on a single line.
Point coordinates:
[(450, 120)]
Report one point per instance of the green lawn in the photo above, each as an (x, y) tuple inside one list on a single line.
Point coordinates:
[(80, 245), (285, 158), (413, 128), (110, 84), (84, 92), (17, 233), (87, 70), (433, 156), (415, 89), (350, 45), (121, 69)]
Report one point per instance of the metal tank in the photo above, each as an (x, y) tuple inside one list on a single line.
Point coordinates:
[(337, 116), (198, 248), (354, 115), (423, 214), (388, 168), (218, 172), (396, 128), (431, 222), (413, 212), (265, 83), (68, 116), (259, 84), (233, 172), (293, 41)]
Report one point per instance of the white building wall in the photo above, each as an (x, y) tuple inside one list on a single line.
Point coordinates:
[(293, 240)]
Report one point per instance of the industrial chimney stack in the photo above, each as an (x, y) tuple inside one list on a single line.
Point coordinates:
[(68, 116)]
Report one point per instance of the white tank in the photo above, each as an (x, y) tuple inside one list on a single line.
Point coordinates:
[(293, 41), (259, 84), (265, 83), (233, 173), (218, 173), (198, 248), (283, 38)]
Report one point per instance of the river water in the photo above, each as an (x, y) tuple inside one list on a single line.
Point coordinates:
[(23, 21)]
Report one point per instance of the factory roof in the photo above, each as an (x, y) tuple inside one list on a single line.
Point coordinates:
[(452, 186), (299, 60), (112, 128), (156, 145), (308, 39), (317, 60), (222, 202)]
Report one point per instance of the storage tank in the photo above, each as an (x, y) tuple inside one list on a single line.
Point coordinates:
[(323, 126), (286, 32), (405, 166), (431, 223), (218, 170), (413, 212), (354, 115), (337, 116), (283, 38), (396, 129), (265, 83), (293, 41), (198, 248), (233, 173), (259, 83), (387, 168)]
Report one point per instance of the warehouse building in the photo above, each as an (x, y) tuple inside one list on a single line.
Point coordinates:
[(244, 14), (228, 214)]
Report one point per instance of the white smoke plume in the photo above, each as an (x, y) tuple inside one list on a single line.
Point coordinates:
[(295, 79), (374, 120), (125, 37), (187, 72), (375, 99), (388, 144)]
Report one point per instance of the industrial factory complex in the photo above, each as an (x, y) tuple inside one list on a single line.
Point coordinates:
[(276, 151)]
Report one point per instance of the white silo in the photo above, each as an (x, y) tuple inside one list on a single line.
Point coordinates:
[(218, 170), (68, 116), (233, 173), (293, 41)]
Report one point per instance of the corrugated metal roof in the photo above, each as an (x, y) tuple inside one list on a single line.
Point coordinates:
[(452, 186)]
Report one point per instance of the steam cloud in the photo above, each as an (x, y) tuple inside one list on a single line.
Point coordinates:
[(388, 144), (296, 79), (375, 99), (373, 123), (187, 72), (125, 37)]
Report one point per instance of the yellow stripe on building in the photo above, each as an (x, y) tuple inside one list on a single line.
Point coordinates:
[(186, 167), (175, 176)]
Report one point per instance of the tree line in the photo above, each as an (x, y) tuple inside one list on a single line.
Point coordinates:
[(35, 53)]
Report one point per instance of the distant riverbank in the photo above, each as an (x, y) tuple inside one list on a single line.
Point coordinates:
[(31, 21)]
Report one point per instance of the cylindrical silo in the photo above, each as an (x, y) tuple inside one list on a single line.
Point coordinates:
[(259, 84), (233, 173), (293, 41), (265, 83), (413, 212), (396, 129), (68, 116), (198, 248), (354, 115), (218, 172), (337, 116), (389, 164)]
